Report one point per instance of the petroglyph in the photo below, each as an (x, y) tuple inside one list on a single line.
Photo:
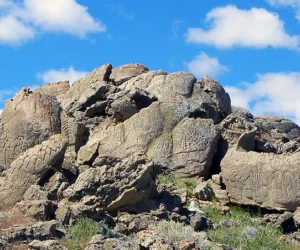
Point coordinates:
[(29, 168), (27, 120), (268, 180)]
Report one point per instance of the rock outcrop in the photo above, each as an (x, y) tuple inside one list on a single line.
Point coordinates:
[(95, 149)]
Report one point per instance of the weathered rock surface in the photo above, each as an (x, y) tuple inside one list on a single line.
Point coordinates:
[(186, 146), (99, 242), (54, 89), (266, 180), (116, 184), (87, 90), (42, 210), (277, 134), (46, 245), (123, 73), (38, 231), (35, 192), (284, 222), (116, 129), (30, 168), (28, 119)]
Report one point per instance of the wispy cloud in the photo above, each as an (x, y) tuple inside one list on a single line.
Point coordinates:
[(22, 20), (176, 27), (295, 4), (120, 10), (256, 28), (204, 64)]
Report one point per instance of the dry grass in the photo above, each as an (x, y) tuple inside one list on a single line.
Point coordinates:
[(15, 219)]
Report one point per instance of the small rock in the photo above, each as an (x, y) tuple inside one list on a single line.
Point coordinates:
[(200, 223), (204, 192), (297, 217), (195, 206), (45, 245), (284, 221)]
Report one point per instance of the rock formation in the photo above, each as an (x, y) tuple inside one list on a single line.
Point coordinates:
[(95, 149)]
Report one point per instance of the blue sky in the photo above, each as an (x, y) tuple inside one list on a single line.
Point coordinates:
[(251, 47)]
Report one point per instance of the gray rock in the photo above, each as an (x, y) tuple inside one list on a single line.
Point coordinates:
[(217, 94), (99, 242), (35, 192), (28, 119), (39, 209), (54, 89), (54, 184), (185, 146), (87, 90), (200, 223), (38, 231), (284, 221), (46, 245), (123, 73), (204, 192), (30, 168), (239, 111), (125, 182), (278, 133), (266, 180), (63, 214), (297, 218)]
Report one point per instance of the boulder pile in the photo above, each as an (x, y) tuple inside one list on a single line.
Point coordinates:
[(96, 148)]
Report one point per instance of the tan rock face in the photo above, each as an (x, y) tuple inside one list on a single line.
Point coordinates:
[(125, 72), (186, 145), (30, 168), (54, 89), (119, 183), (266, 180), (27, 120)]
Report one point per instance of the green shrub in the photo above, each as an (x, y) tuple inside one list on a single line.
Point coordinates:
[(179, 183), (172, 231), (81, 233), (257, 236)]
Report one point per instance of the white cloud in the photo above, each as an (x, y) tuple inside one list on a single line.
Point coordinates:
[(13, 31), (203, 65), (230, 26), (21, 20), (272, 93), (57, 15), (69, 74)]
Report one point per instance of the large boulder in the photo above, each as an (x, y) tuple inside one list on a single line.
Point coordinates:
[(123, 73), (206, 98), (164, 133), (262, 179), (30, 168), (277, 134), (116, 182), (87, 90), (28, 119), (168, 117)]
